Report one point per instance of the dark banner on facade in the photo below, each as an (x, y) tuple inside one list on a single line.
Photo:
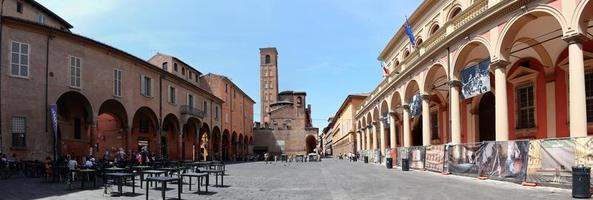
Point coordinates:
[(53, 115), (551, 161), (475, 80), (417, 157), (435, 158), (462, 159), (503, 160), (415, 105)]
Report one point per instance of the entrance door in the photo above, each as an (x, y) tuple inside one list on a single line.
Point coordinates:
[(417, 132), (486, 118)]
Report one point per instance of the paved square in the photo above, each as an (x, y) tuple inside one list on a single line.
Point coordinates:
[(330, 179)]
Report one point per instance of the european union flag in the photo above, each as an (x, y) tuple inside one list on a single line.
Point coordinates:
[(410, 33)]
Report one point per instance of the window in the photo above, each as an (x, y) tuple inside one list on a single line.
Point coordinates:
[(267, 59), (19, 62), (175, 66), (216, 113), (191, 75), (42, 19), (589, 95), (74, 71), (172, 95), (434, 125), (525, 106), (205, 107), (434, 29), (165, 66), (19, 7), (197, 78), (226, 88), (183, 71), (117, 82), (146, 86), (77, 128), (190, 100), (18, 129)]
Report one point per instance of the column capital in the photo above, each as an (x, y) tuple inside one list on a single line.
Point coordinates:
[(406, 107), (575, 38), (392, 114), (454, 83), (375, 123), (425, 97), (497, 64)]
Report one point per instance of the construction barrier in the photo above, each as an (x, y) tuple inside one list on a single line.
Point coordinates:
[(503, 160), (551, 161), (462, 159), (417, 157), (435, 158)]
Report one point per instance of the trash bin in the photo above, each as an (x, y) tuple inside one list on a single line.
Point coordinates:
[(389, 163), (405, 164), (366, 159), (581, 181)]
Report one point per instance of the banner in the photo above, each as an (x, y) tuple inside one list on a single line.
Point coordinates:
[(504, 160), (551, 161), (417, 157), (402, 152), (475, 80), (462, 159), (415, 105), (53, 115), (435, 158), (377, 154)]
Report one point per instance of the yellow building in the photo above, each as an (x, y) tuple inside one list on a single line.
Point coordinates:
[(342, 131)]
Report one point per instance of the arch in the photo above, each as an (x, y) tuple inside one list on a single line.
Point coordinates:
[(171, 130), (204, 141), (406, 53), (189, 140), (75, 117), (384, 107), (434, 28), (216, 143), (454, 12), (516, 23), (396, 101), (419, 41), (240, 147), (411, 89), (144, 131), (435, 73), (268, 60), (310, 143), (369, 119), (376, 114), (475, 50), (234, 146), (584, 11), (112, 125), (226, 145)]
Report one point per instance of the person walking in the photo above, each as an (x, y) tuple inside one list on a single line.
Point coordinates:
[(266, 157)]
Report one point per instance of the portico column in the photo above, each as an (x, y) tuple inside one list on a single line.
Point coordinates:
[(576, 86), (426, 120), (368, 138), (93, 137), (455, 113), (406, 126), (358, 138), (392, 128), (374, 132), (382, 132), (501, 105)]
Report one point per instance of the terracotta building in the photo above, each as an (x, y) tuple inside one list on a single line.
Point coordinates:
[(535, 75), (105, 98), (286, 125), (341, 130), (237, 118)]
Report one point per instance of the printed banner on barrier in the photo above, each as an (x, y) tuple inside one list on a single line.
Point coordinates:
[(551, 161), (377, 157), (506, 159), (435, 158), (402, 153), (417, 157), (462, 159)]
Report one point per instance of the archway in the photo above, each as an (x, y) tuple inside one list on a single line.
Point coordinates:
[(396, 107), (112, 125), (144, 132), (417, 131), (204, 142), (216, 144), (486, 118), (75, 116), (414, 101), (436, 85), (384, 119), (240, 146), (226, 147), (311, 143), (171, 133), (233, 146), (189, 142)]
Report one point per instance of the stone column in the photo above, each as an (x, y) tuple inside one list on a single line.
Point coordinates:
[(382, 146), (392, 127), (577, 106), (93, 138), (426, 119), (358, 140), (368, 137), (455, 112), (500, 95), (407, 136), (374, 132)]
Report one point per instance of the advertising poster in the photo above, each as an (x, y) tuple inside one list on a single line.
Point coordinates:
[(435, 158), (503, 160), (475, 80), (551, 161), (462, 159), (417, 157)]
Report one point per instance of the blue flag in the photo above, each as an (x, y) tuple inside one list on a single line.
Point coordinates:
[(410, 33), (53, 115)]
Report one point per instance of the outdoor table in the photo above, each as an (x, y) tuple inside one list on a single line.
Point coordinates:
[(163, 180), (88, 173), (170, 170), (203, 164), (115, 169), (121, 178), (140, 169), (151, 173), (216, 172), (200, 176), (218, 166)]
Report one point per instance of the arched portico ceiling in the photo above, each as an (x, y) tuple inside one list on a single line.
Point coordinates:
[(436, 82), (411, 89), (145, 112), (536, 33), (171, 123), (376, 114), (396, 102), (114, 107), (470, 53), (369, 119), (583, 17), (384, 107), (73, 98)]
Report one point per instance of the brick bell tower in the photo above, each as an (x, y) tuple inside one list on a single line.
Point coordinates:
[(268, 81)]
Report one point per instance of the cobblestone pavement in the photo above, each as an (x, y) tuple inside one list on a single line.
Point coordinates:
[(330, 179)]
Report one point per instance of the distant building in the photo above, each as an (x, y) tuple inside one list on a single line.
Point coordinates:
[(341, 130), (286, 125)]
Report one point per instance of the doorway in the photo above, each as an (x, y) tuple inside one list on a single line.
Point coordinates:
[(486, 113)]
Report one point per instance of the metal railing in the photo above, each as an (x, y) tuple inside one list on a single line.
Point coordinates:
[(192, 111)]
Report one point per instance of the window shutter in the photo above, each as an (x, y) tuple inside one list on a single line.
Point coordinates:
[(142, 85)]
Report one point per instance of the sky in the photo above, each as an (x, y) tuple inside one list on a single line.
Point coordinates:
[(327, 48)]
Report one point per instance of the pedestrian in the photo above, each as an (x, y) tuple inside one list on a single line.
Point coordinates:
[(47, 165), (266, 157), (120, 157), (72, 166)]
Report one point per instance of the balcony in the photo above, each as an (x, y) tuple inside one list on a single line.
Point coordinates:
[(192, 112)]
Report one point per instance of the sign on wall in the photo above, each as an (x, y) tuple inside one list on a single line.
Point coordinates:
[(415, 105), (475, 80)]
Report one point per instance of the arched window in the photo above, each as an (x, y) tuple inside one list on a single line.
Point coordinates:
[(267, 59), (419, 41), (454, 12), (406, 53), (434, 29)]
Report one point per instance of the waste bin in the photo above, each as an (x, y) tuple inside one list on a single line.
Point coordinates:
[(405, 164), (581, 181), (366, 159), (389, 163)]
